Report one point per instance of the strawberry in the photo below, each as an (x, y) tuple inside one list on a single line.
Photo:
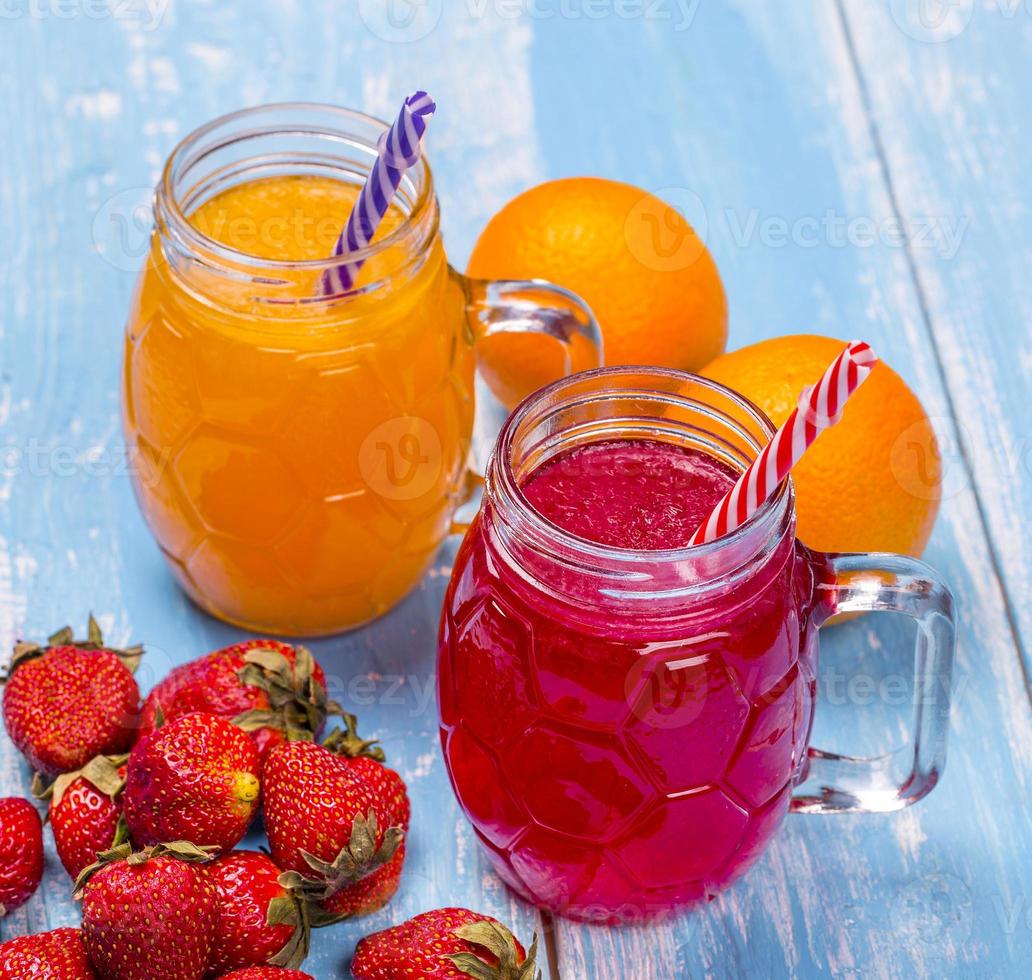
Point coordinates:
[(21, 853), (71, 700), (57, 955), (336, 819), (149, 915), (85, 810), (194, 779), (273, 690), (259, 922), (446, 944), (266, 973)]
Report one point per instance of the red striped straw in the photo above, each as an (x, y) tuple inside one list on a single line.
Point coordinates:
[(398, 151), (820, 407)]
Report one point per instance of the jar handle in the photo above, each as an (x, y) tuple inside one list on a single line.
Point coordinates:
[(515, 306), (888, 583)]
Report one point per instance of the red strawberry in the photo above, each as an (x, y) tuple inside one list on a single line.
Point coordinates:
[(271, 689), (447, 944), (21, 853), (195, 779), (250, 898), (57, 955), (266, 973), (71, 700), (85, 808), (336, 818), (151, 915)]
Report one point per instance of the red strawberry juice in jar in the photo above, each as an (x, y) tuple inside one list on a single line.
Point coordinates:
[(625, 719)]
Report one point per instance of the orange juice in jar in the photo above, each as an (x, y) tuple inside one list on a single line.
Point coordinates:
[(300, 457)]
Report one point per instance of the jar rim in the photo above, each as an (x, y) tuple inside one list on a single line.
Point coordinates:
[(190, 151), (502, 482)]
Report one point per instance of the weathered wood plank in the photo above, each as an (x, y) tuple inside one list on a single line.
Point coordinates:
[(949, 90), (91, 106), (756, 112)]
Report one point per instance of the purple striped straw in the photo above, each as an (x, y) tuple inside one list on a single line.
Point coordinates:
[(397, 152)]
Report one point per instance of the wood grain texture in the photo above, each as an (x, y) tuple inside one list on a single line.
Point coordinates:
[(950, 100), (756, 115), (94, 105), (762, 122)]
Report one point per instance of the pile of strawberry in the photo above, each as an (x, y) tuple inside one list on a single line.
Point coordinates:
[(149, 799)]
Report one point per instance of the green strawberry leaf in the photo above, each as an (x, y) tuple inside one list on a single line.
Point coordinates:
[(64, 637), (500, 943), (494, 937), (346, 742), (184, 850), (121, 832), (293, 912), (123, 851), (473, 966), (256, 718), (358, 859), (101, 771), (298, 705), (120, 852)]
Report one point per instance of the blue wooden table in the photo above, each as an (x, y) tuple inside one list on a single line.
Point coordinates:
[(859, 168)]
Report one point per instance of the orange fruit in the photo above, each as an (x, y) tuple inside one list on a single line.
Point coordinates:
[(647, 276), (870, 483)]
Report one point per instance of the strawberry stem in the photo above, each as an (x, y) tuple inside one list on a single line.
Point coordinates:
[(181, 849), (25, 650), (501, 945), (293, 911), (346, 742), (356, 860), (298, 703), (102, 772)]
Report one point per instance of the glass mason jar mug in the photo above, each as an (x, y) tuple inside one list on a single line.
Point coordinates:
[(626, 729), (300, 456)]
